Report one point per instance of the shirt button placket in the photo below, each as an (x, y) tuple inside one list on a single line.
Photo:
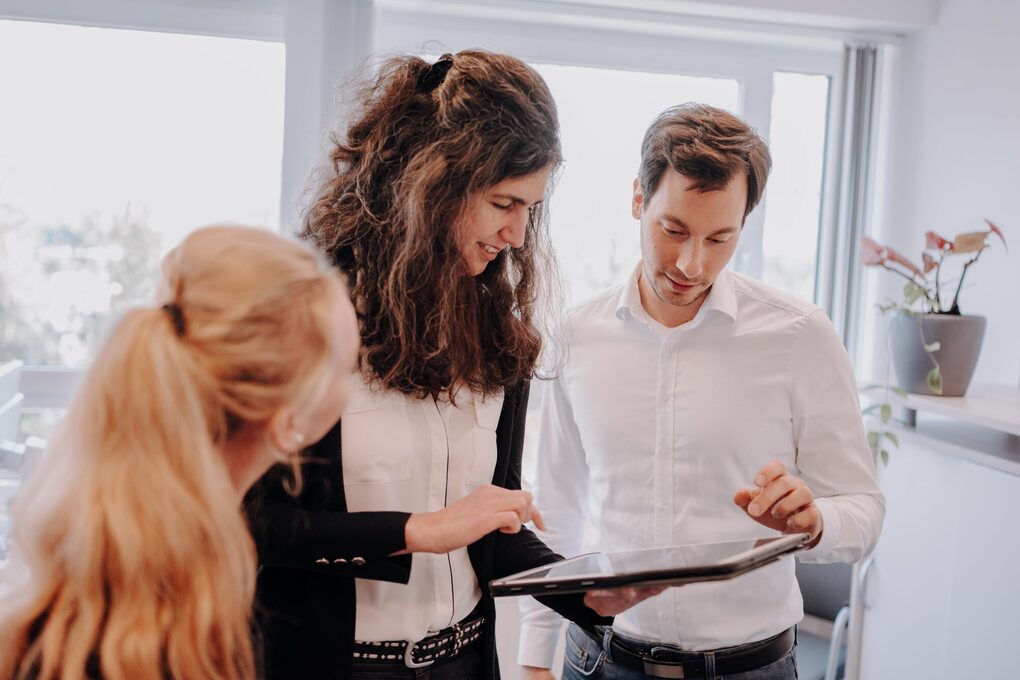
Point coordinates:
[(664, 472)]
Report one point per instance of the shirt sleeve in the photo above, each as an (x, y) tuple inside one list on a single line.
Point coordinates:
[(560, 491), (833, 456)]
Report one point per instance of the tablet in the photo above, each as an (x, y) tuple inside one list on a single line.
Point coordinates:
[(674, 566)]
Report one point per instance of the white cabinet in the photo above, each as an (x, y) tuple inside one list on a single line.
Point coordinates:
[(942, 597), (984, 603)]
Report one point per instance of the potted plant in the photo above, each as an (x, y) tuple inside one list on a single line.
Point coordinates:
[(935, 347)]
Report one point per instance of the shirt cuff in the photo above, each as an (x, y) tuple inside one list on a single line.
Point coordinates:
[(538, 645), (832, 529)]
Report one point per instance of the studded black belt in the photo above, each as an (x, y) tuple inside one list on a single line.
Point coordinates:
[(445, 644)]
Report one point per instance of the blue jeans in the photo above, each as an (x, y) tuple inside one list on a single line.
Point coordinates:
[(585, 660)]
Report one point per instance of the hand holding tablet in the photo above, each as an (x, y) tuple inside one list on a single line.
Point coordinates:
[(614, 582), (651, 568), (613, 601)]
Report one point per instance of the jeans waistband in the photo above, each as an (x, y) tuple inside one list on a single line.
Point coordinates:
[(670, 662)]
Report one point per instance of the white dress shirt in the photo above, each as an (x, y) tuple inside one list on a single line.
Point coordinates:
[(416, 455), (648, 432)]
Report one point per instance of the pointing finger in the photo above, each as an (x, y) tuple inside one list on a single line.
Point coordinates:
[(744, 496), (536, 517), (769, 472)]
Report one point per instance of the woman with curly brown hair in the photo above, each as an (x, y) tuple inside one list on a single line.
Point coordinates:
[(434, 208)]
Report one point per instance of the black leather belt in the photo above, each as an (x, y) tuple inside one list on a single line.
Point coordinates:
[(445, 644), (672, 663)]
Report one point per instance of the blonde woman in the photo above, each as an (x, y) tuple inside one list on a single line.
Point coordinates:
[(132, 559)]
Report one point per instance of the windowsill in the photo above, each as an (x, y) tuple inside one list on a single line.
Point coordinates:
[(47, 387), (993, 406)]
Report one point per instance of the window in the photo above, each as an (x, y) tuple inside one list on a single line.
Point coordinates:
[(603, 116), (793, 210), (113, 144), (611, 77)]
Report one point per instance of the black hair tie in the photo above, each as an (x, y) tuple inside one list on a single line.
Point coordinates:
[(434, 76), (176, 315)]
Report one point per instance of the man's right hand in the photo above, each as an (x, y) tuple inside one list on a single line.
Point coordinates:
[(536, 673), (486, 509)]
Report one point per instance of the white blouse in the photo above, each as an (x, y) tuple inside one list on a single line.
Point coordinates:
[(405, 454)]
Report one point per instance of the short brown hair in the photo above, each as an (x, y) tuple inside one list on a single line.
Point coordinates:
[(422, 138), (707, 145)]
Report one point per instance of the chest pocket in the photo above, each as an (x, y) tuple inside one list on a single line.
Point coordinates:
[(377, 436), (486, 419)]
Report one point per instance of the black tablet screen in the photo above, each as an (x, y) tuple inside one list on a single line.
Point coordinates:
[(655, 559)]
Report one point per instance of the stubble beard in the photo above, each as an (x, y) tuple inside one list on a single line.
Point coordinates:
[(675, 299)]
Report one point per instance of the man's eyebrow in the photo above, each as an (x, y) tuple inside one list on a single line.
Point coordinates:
[(719, 232)]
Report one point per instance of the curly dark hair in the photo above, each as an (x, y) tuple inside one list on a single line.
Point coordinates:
[(421, 141)]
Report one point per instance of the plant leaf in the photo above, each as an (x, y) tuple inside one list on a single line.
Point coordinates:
[(886, 412), (997, 232), (970, 242), (893, 438), (935, 380), (933, 241), (870, 386), (912, 292), (872, 252), (933, 347), (885, 456), (894, 256), (899, 390), (872, 440)]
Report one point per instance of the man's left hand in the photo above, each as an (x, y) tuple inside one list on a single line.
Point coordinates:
[(618, 600), (782, 502)]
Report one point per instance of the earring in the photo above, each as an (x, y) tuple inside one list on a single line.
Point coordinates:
[(299, 439)]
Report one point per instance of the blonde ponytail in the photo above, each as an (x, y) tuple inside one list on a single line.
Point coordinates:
[(133, 556)]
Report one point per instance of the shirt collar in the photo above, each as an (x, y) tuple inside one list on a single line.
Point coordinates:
[(630, 297), (722, 299)]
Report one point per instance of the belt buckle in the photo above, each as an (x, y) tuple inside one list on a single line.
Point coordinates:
[(409, 661), (672, 671)]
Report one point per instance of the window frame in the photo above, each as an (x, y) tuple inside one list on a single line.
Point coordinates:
[(325, 41), (52, 387)]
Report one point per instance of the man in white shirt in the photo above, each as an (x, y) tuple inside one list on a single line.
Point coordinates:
[(698, 405)]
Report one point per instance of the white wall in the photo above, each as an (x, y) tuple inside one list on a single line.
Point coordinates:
[(852, 14), (954, 158)]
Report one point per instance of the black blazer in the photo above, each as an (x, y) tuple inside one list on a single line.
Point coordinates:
[(311, 549)]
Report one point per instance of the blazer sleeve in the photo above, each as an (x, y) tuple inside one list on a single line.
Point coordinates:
[(524, 550), (304, 531)]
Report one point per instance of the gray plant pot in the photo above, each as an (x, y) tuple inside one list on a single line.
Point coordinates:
[(960, 338)]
